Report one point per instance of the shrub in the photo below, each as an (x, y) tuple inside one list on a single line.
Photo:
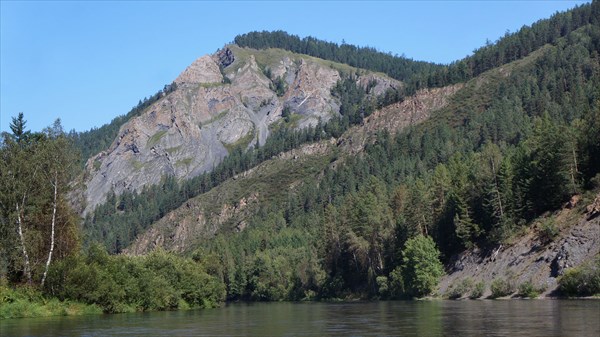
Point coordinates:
[(501, 287), (459, 289), (383, 286), (396, 283), (529, 290), (581, 281), (159, 281), (548, 230), (478, 290)]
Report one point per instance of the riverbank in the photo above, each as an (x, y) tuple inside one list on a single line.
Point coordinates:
[(29, 302)]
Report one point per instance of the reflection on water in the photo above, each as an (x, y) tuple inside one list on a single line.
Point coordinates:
[(418, 318)]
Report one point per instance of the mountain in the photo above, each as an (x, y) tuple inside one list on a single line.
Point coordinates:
[(308, 178), (222, 101)]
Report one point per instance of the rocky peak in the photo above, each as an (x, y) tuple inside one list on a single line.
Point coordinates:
[(203, 70), (190, 130)]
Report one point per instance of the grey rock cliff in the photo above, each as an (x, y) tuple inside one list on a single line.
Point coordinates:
[(221, 101)]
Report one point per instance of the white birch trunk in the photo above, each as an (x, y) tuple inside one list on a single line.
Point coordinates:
[(27, 270), (54, 206)]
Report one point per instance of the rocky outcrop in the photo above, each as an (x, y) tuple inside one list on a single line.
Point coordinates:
[(179, 231), (221, 101), (225, 57), (531, 258), (309, 93), (593, 210), (397, 116), (203, 70)]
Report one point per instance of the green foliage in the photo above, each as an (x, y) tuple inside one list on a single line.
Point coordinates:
[(460, 289), (422, 268), (512, 144), (396, 283), (478, 290), (29, 302), (36, 175), (158, 281), (17, 126), (528, 290), (581, 281), (548, 230), (383, 287), (279, 86), (501, 287), (398, 67), (510, 47)]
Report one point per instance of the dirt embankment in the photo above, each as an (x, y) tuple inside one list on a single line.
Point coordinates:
[(534, 257)]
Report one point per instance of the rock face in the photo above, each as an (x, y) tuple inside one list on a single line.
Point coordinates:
[(221, 101), (397, 116)]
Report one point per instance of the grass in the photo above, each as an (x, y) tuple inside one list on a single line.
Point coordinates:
[(29, 302), (137, 165), (215, 118), (242, 143), (184, 162), (272, 56), (211, 85), (172, 150), (155, 138), (292, 122)]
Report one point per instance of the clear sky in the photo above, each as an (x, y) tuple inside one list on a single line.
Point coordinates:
[(88, 62)]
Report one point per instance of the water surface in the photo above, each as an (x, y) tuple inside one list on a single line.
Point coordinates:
[(393, 318)]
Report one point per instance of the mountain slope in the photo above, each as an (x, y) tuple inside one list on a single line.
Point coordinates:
[(536, 256), (449, 158), (221, 101)]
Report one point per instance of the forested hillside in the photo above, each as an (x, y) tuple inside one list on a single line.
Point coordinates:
[(513, 143), (511, 47), (371, 203)]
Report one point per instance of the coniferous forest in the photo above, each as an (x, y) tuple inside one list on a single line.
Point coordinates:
[(518, 140)]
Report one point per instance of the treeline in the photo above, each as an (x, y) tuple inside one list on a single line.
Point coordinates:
[(400, 68), (91, 142), (118, 221), (418, 74), (512, 47)]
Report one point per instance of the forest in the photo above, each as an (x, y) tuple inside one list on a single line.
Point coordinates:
[(504, 150)]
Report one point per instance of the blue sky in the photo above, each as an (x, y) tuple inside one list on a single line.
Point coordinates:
[(88, 62)]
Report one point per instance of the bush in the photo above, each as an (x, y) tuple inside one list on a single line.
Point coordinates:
[(501, 287), (383, 286), (396, 283), (478, 290), (459, 289), (548, 230), (529, 290), (158, 281), (581, 281)]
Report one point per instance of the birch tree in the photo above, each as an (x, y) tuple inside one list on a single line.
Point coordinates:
[(35, 177)]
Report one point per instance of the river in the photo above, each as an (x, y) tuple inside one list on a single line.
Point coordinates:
[(385, 318)]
